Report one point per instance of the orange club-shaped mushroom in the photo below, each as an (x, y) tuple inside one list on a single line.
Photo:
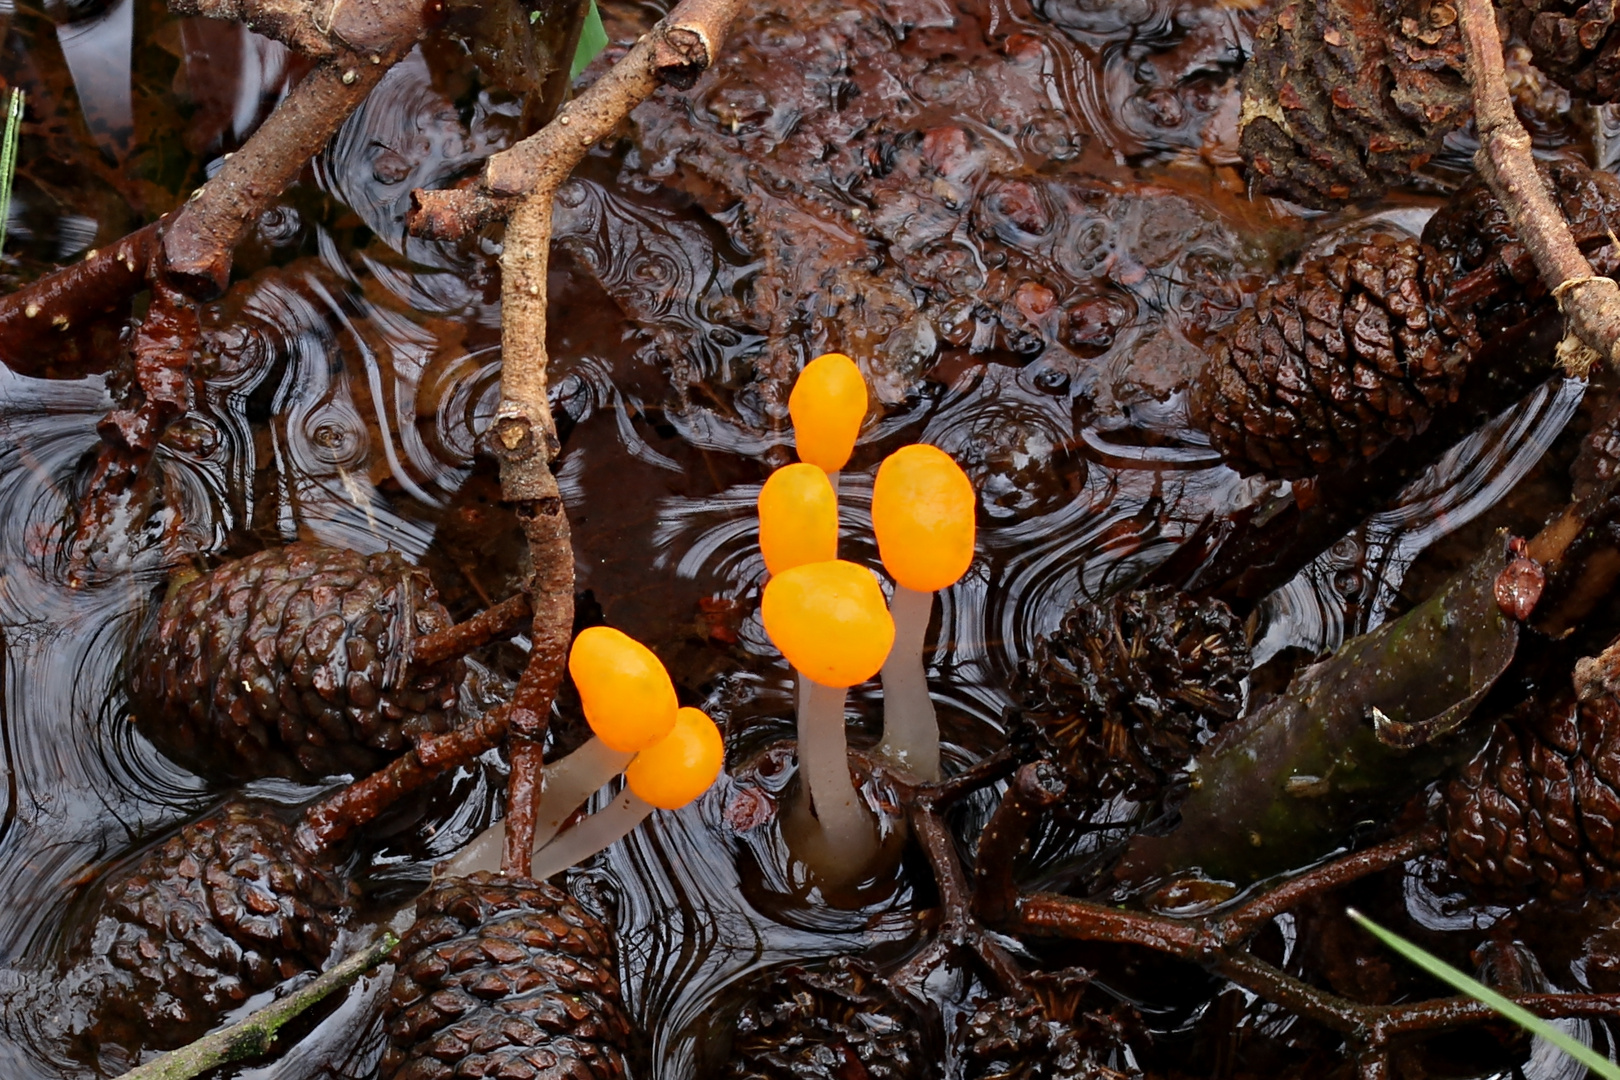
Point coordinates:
[(830, 621), (665, 776), (630, 705), (798, 518), (827, 405), (923, 514)]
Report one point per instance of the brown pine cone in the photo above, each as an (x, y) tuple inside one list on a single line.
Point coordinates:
[(1539, 808), (293, 662), (229, 906), (1349, 353), (504, 977), (1473, 232), (1044, 1036), (1343, 98), (1573, 41), (840, 1022), (1127, 690)]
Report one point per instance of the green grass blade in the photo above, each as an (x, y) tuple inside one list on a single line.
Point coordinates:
[(592, 40), (8, 158), (1600, 1065)]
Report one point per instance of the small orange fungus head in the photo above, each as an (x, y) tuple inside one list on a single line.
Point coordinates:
[(922, 511), (827, 404), (830, 620), (629, 699), (798, 518), (681, 766)]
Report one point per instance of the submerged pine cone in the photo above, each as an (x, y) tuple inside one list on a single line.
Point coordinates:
[(1044, 1036), (1473, 232), (1349, 353), (504, 977), (1127, 690), (229, 906), (1574, 41), (294, 662), (1538, 809), (840, 1022), (1343, 98)]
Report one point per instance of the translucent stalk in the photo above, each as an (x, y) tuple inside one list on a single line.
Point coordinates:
[(566, 785), (590, 835), (910, 724), (847, 826)]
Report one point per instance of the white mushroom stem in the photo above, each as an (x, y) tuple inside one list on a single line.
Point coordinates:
[(590, 835), (847, 826), (565, 787), (910, 725)]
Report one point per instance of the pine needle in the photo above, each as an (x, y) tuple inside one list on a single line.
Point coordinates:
[(8, 158), (1535, 1025)]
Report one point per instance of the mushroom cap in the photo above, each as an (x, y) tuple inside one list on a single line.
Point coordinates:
[(798, 518), (628, 696), (923, 514), (830, 620), (681, 766), (827, 404)]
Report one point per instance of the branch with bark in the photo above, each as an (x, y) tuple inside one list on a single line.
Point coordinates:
[(1590, 302), (517, 186)]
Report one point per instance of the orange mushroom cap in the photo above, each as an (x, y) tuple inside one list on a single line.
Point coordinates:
[(629, 699), (830, 620), (681, 766), (798, 518), (922, 511), (827, 404)]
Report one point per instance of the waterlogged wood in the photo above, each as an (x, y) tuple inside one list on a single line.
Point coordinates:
[(1349, 742)]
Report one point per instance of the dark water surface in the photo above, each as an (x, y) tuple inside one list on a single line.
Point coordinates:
[(351, 369)]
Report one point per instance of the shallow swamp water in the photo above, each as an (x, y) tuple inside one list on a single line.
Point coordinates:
[(1056, 221)]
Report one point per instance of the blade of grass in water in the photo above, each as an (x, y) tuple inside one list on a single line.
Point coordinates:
[(8, 158), (592, 40), (1600, 1065)]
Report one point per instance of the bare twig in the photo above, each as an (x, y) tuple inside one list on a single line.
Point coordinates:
[(39, 313), (1590, 302), (504, 618), (522, 181), (329, 821), (256, 1034)]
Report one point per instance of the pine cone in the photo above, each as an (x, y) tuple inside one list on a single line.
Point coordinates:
[(840, 1022), (1044, 1036), (1343, 98), (1126, 691), (1573, 41), (293, 662), (1473, 232), (504, 977), (229, 906), (1537, 810), (1346, 355)]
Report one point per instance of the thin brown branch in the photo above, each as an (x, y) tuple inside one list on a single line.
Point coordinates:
[(35, 316), (329, 821), (523, 435), (199, 246), (297, 24), (1331, 875), (1590, 302), (1034, 788), (506, 617)]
